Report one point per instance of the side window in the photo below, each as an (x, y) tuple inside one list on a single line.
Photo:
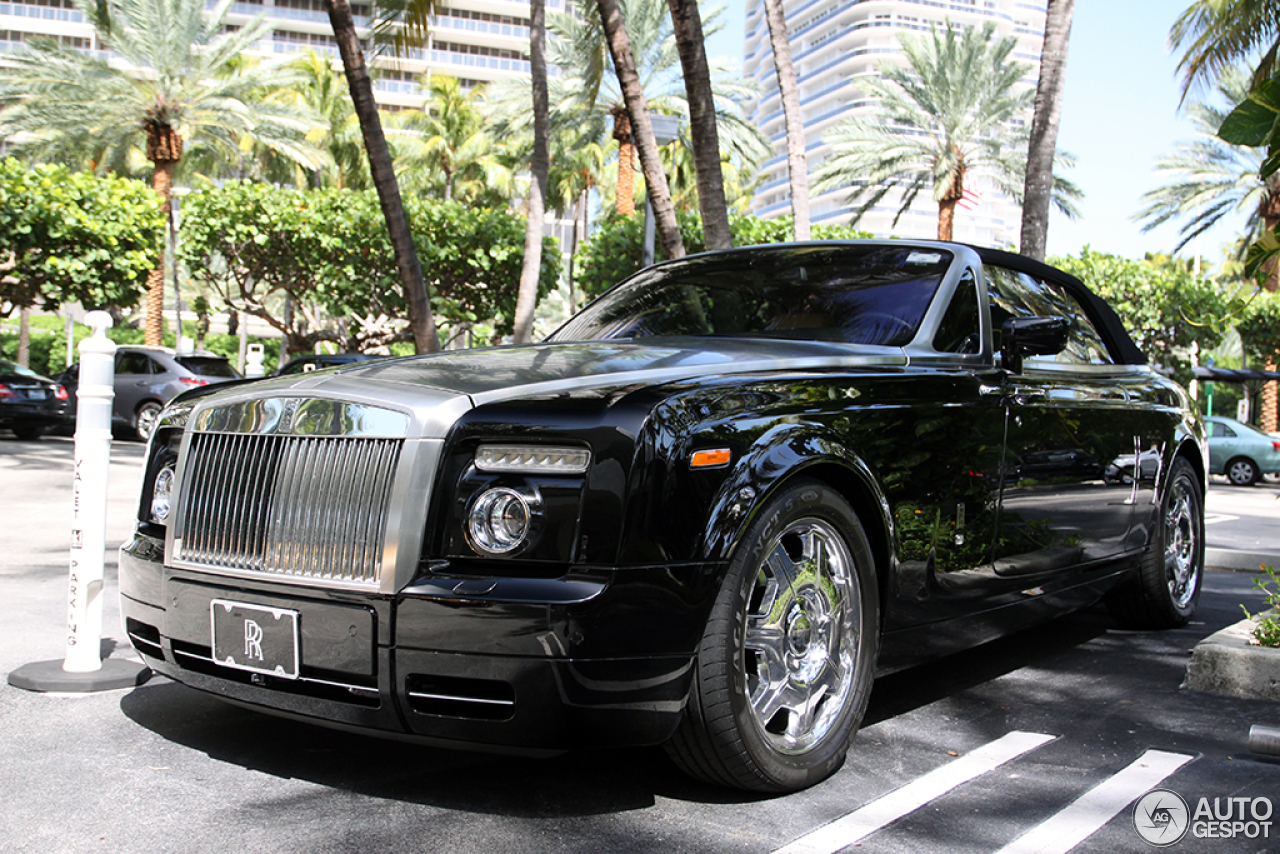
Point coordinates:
[(1218, 430), (134, 363), (959, 330), (1016, 294)]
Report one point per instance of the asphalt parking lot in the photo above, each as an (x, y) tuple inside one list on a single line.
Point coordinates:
[(1039, 742)]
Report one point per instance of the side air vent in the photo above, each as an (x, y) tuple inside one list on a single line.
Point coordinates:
[(454, 697)]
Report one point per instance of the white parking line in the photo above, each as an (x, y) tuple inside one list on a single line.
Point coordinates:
[(1096, 807), (868, 819), (1212, 518)]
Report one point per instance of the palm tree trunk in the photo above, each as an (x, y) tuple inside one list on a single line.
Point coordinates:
[(1038, 189), (946, 218), (797, 168), (425, 337), (687, 24), (539, 166), (624, 195), (162, 182), (624, 65)]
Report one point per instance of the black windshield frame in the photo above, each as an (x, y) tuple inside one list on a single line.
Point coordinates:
[(867, 294)]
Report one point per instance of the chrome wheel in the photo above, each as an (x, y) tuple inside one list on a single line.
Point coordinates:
[(1182, 541), (802, 636), (786, 662), (144, 421)]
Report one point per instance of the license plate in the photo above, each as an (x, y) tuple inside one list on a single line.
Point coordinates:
[(255, 637), (37, 394)]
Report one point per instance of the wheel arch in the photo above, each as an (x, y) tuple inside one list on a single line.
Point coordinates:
[(812, 456)]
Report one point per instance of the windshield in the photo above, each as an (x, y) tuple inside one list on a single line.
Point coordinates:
[(7, 367), (863, 294), (208, 366)]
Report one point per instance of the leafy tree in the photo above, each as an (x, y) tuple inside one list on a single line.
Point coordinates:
[(946, 114), (72, 237), (328, 250), (174, 75), (1043, 139), (412, 14), (1208, 180), (1165, 306), (614, 251)]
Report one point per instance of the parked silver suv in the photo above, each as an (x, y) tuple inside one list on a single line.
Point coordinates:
[(148, 377)]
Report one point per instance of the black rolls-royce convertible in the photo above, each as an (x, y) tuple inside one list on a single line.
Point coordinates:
[(705, 513)]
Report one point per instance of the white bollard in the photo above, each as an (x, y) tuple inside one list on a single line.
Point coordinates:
[(83, 670), (96, 391), (253, 362)]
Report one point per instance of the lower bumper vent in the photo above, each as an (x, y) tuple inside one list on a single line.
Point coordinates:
[(454, 697)]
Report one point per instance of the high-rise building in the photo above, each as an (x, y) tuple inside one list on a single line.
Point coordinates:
[(477, 41), (834, 44)]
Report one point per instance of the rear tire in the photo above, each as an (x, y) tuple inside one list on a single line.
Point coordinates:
[(1164, 591), (1242, 471), (28, 433), (786, 663)]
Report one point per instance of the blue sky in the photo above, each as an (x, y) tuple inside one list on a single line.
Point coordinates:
[(1120, 113)]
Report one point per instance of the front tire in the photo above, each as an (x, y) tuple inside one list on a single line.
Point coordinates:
[(786, 663), (1164, 592), (1242, 471), (145, 419)]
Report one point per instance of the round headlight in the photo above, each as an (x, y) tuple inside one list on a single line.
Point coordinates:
[(162, 494), (499, 521)]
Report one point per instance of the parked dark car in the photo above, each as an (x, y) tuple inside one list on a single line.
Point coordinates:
[(147, 378), (30, 404), (705, 513), (1242, 453), (320, 361)]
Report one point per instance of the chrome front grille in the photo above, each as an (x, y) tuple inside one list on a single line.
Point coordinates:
[(309, 508)]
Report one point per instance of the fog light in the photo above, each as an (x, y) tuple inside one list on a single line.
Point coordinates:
[(500, 520), (162, 494)]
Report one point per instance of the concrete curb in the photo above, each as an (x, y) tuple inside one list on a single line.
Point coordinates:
[(1227, 663), (1239, 560)]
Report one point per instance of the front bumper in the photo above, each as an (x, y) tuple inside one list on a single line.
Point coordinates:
[(529, 665)]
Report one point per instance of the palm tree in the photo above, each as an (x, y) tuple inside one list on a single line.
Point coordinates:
[(539, 165), (942, 118), (784, 68), (1038, 187), (325, 91), (624, 66), (687, 25), (449, 148), (1217, 35), (1208, 180), (409, 17), (174, 77), (586, 97)]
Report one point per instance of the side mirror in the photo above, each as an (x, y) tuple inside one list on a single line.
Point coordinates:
[(1031, 336)]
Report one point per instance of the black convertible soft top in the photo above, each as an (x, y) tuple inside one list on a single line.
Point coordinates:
[(1124, 348)]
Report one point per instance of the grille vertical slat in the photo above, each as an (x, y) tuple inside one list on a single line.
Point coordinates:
[(302, 507)]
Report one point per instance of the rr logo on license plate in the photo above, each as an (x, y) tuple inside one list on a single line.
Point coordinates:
[(256, 638)]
